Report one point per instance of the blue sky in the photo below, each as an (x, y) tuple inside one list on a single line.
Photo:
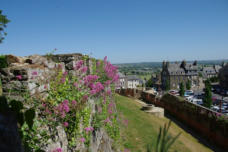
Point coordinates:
[(123, 30)]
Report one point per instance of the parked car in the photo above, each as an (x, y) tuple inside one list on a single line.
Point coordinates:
[(188, 93), (215, 108), (174, 92), (189, 98)]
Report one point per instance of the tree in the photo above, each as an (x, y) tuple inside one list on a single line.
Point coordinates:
[(3, 22), (181, 92), (188, 85), (207, 102), (149, 83), (167, 85)]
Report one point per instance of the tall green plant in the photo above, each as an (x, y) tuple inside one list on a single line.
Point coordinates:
[(164, 140), (3, 61), (167, 85), (207, 102), (181, 92), (188, 85)]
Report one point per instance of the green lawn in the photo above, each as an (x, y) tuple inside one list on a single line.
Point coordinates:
[(147, 76), (143, 129)]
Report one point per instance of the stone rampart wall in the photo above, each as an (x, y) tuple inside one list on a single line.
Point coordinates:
[(24, 74)]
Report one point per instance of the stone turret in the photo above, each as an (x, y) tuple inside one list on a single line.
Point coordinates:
[(183, 64), (167, 64), (163, 64), (195, 63)]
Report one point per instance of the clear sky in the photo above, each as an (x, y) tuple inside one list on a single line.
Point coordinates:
[(124, 30)]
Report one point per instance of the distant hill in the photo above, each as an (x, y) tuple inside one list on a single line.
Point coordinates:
[(159, 64)]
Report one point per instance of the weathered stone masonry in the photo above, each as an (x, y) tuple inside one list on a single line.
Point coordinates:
[(35, 69)]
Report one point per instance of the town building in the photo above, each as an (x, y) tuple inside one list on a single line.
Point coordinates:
[(223, 77), (130, 81), (122, 81), (133, 81), (175, 73), (210, 71)]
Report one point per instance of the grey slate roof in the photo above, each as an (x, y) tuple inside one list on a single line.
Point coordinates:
[(217, 68), (174, 69), (121, 75), (132, 77), (209, 70)]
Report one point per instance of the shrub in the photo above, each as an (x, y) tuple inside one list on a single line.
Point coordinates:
[(3, 61)]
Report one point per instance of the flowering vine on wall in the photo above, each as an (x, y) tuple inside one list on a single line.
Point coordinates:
[(67, 105)]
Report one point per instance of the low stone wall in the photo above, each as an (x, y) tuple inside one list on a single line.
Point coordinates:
[(204, 121), (24, 74)]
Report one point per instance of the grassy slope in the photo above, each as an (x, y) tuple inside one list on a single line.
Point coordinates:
[(143, 129)]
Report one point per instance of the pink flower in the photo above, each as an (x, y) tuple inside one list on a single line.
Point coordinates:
[(98, 63), (98, 87), (82, 139), (84, 69), (65, 73), (63, 80), (126, 150), (218, 114), (65, 106), (45, 86), (57, 150), (105, 59), (85, 98), (65, 124), (79, 64), (99, 109), (76, 84), (34, 73), (109, 110), (109, 92), (19, 77), (108, 82), (88, 129), (107, 121), (47, 111), (89, 79), (60, 66), (74, 102), (43, 104), (62, 108), (93, 92)]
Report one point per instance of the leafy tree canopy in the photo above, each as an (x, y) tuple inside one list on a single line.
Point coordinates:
[(3, 22)]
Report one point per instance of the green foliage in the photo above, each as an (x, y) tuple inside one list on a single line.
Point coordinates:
[(3, 61), (207, 102), (188, 85), (164, 140), (50, 54), (67, 105), (214, 79), (167, 85), (3, 22), (25, 118), (149, 83), (181, 92), (0, 87)]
